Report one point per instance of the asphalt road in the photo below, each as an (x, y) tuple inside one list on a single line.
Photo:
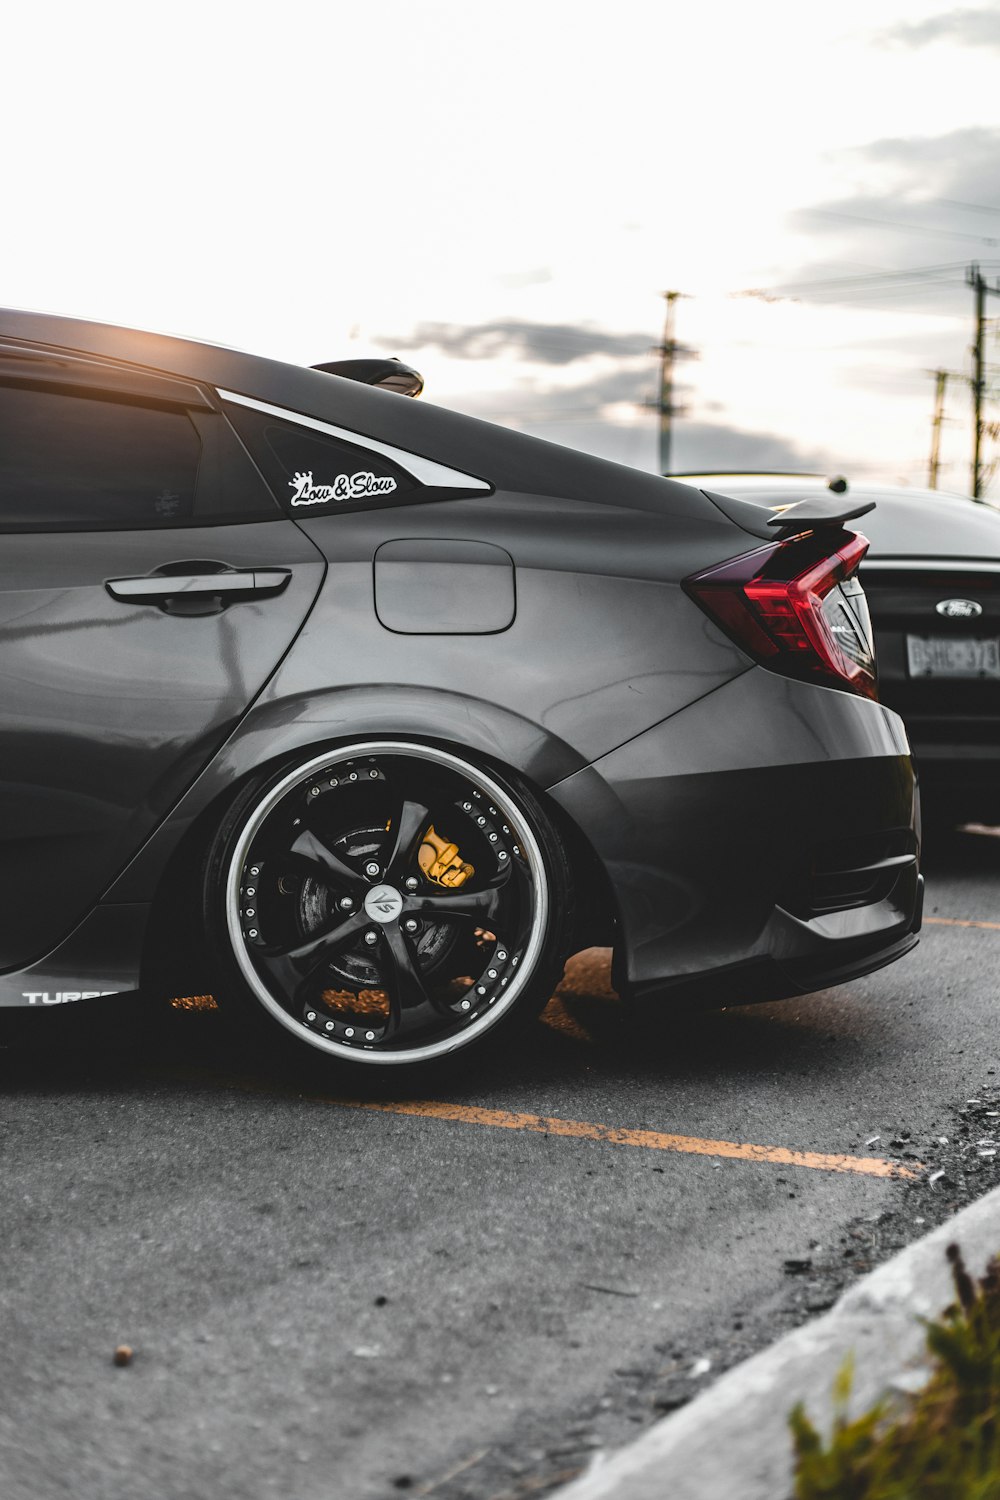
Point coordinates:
[(349, 1303)]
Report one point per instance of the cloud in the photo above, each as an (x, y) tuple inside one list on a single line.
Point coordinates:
[(698, 447), (904, 364), (630, 384), (712, 446), (963, 162), (968, 27), (604, 408), (536, 343), (582, 416), (528, 401), (925, 206), (608, 412)]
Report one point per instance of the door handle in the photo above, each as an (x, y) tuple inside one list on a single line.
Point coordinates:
[(227, 586)]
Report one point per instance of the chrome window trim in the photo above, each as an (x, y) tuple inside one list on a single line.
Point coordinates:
[(929, 565), (425, 470)]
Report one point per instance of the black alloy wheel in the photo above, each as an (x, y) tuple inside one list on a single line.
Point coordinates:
[(389, 903)]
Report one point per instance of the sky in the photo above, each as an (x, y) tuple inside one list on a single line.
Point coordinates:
[(500, 195)]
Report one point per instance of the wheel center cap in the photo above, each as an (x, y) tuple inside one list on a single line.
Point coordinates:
[(383, 903)]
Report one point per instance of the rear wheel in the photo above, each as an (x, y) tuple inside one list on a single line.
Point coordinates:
[(388, 904)]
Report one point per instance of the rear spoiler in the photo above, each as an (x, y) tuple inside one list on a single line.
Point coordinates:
[(807, 515), (388, 374), (763, 520)]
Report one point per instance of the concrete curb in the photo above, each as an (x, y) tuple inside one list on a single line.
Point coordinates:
[(734, 1440)]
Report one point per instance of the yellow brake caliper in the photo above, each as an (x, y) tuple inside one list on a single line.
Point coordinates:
[(441, 862)]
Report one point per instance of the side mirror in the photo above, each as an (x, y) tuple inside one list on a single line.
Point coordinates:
[(387, 374)]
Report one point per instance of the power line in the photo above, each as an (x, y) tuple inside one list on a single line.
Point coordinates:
[(884, 295), (860, 280), (908, 279), (978, 208), (901, 227)]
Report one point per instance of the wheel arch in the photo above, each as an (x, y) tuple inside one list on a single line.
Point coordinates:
[(173, 953)]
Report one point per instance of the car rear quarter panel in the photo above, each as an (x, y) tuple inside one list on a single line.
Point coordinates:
[(603, 644)]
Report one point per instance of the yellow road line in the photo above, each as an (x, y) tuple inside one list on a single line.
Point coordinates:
[(651, 1140), (585, 1130), (959, 922)]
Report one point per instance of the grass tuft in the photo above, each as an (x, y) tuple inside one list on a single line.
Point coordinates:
[(942, 1443)]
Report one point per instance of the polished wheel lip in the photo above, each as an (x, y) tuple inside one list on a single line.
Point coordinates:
[(525, 837)]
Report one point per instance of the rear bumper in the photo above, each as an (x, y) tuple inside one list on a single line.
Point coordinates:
[(760, 980), (762, 842)]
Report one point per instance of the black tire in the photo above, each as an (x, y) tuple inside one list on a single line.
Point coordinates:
[(386, 906)]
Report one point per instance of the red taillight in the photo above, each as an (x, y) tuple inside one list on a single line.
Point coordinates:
[(775, 603)]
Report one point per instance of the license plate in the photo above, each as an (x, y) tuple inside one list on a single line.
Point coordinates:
[(952, 656)]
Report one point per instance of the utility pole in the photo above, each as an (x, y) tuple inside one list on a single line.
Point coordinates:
[(940, 383), (981, 288), (975, 280), (668, 351)]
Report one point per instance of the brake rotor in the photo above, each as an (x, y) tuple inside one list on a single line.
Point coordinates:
[(316, 910)]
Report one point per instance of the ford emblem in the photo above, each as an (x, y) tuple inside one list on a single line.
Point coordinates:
[(959, 609)]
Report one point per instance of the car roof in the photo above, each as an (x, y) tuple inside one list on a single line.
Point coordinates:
[(906, 522), (510, 459)]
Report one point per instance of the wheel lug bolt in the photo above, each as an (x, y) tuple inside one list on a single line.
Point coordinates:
[(310, 1015), (346, 903), (411, 924), (371, 937), (371, 868), (411, 882)]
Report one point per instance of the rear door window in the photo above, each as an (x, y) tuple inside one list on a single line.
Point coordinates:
[(88, 460)]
